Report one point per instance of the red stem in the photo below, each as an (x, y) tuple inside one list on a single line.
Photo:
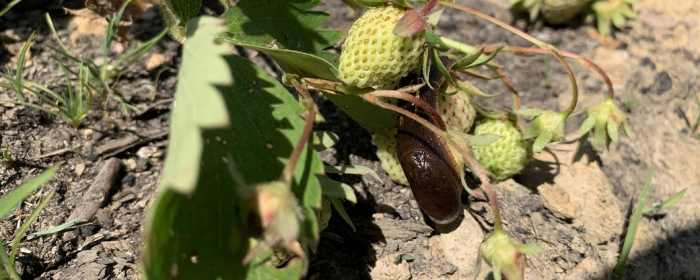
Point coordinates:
[(546, 47), (582, 60), (510, 86), (410, 98), (466, 154), (288, 172), (428, 7)]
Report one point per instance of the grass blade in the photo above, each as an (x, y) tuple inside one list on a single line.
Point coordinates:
[(666, 204), (59, 227), (8, 7), (353, 170), (25, 226), (134, 55), (632, 228), (7, 269), (49, 22), (15, 197)]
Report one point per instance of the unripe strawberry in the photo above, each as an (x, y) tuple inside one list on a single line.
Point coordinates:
[(386, 152), (505, 157), (457, 109), (560, 11), (372, 55)]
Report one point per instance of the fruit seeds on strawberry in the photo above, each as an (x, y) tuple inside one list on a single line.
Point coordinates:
[(373, 56)]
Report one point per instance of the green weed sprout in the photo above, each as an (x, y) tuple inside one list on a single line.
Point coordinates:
[(636, 217), (15, 79), (72, 106), (8, 7), (6, 157), (102, 79), (12, 200)]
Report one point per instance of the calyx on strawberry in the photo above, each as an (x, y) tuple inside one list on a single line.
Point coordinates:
[(373, 56), (505, 157)]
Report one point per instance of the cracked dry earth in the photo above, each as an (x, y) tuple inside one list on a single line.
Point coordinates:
[(573, 200)]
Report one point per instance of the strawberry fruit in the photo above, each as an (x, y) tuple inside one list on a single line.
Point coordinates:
[(505, 157), (386, 152), (373, 56)]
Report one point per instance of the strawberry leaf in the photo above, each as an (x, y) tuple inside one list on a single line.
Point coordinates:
[(198, 103), (208, 224), (289, 25)]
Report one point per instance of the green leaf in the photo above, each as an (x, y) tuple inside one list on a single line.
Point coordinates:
[(441, 67), (211, 223), (666, 204), (612, 130), (468, 59), (341, 211), (632, 228), (334, 189), (436, 42), (325, 140), (587, 124), (531, 131), (198, 103), (482, 139), (541, 141), (183, 10), (296, 62), (434, 17), (12, 199), (599, 133), (59, 227), (529, 249), (529, 112), (286, 24), (472, 89), (627, 130), (367, 115), (353, 169), (6, 8), (482, 59), (7, 269), (7, 203), (406, 257), (26, 224), (372, 3)]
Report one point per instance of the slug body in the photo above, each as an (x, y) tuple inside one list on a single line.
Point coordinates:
[(430, 167)]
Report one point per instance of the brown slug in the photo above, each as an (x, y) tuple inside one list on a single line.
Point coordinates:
[(430, 167)]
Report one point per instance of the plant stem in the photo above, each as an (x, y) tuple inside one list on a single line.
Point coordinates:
[(288, 172), (434, 114), (509, 85), (580, 59), (466, 154), (546, 47), (428, 7)]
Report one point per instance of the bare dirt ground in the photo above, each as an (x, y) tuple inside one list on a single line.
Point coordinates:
[(573, 200)]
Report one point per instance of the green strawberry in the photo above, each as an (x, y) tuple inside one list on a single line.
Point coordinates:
[(560, 11), (386, 152), (372, 55), (457, 109), (505, 157)]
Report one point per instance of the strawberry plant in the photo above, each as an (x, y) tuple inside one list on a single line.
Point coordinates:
[(604, 12), (244, 193)]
